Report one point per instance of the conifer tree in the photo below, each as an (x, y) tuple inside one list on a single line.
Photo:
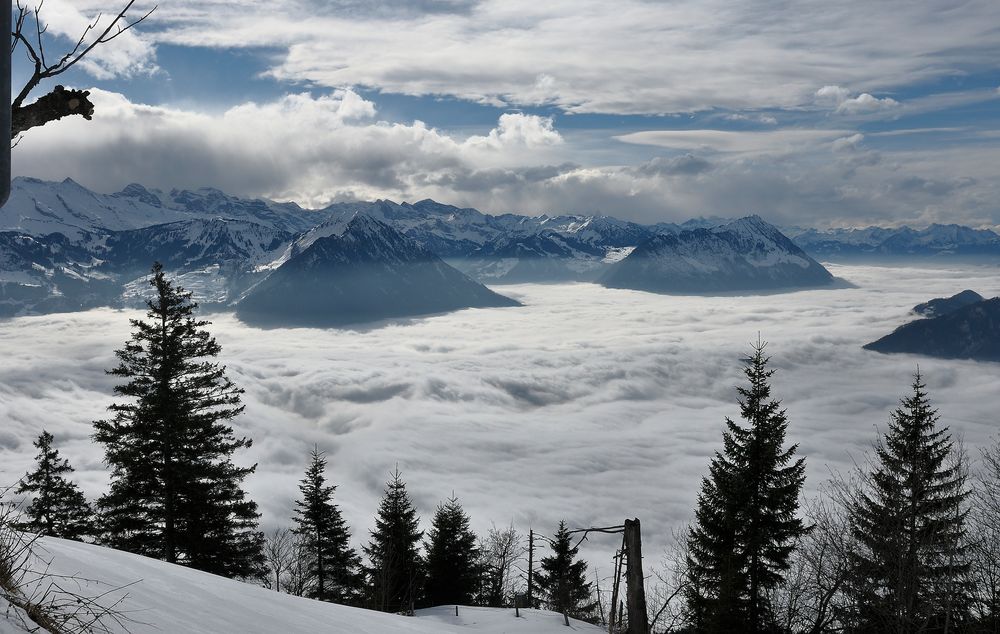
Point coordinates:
[(562, 580), (395, 573), (175, 492), (58, 507), (746, 522), (452, 569), (910, 573), (332, 567)]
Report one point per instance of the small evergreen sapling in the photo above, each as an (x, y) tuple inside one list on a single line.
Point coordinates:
[(58, 507)]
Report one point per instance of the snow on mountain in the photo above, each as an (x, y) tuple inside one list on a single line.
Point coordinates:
[(935, 240), (362, 271), (159, 597), (195, 243), (542, 256), (455, 233), (39, 208), (747, 254), (50, 274)]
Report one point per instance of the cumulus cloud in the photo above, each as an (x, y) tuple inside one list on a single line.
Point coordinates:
[(865, 103), (587, 404), (310, 149), (840, 100), (515, 128)]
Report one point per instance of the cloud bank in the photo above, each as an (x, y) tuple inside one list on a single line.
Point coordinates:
[(587, 404), (319, 149)]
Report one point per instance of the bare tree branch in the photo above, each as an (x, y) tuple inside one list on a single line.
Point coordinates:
[(60, 102)]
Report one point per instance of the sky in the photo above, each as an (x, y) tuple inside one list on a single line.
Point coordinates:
[(809, 113), (587, 404)]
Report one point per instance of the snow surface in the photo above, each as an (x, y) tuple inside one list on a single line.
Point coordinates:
[(159, 597)]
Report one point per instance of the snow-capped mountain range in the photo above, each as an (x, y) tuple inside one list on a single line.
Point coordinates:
[(900, 242), (64, 247)]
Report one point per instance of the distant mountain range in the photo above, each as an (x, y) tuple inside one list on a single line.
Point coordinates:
[(900, 242), (957, 327), (63, 247)]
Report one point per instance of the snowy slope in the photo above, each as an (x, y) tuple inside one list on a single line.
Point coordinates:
[(747, 254), (935, 240), (164, 598), (38, 207)]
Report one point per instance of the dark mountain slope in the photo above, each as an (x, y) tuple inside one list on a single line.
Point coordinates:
[(366, 272), (970, 332)]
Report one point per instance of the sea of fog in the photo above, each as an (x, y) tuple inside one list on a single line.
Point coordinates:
[(587, 404)]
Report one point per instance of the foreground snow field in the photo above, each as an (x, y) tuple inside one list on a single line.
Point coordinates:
[(165, 598)]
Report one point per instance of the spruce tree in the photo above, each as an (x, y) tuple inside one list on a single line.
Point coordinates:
[(910, 573), (175, 493), (332, 568), (562, 580), (58, 507), (746, 523), (452, 568), (395, 572)]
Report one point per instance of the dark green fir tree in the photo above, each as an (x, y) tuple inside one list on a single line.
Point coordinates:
[(395, 574), (562, 581), (175, 492), (452, 568), (58, 507), (746, 524), (332, 567), (911, 572)]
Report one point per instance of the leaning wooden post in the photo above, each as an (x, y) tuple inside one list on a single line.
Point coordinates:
[(600, 605), (634, 587), (614, 590)]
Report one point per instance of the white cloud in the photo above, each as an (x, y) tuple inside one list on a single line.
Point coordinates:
[(834, 94), (865, 103), (840, 100), (770, 142), (299, 147), (847, 143), (517, 129), (587, 404), (315, 150), (128, 54), (630, 56)]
